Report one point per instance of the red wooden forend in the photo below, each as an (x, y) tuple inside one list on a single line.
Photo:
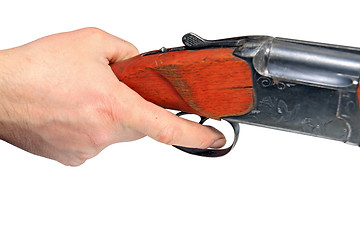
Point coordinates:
[(209, 82)]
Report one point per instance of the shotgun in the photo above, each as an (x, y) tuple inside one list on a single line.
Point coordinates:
[(292, 85)]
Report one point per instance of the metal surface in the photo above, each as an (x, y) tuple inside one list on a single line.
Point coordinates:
[(304, 87), (304, 109), (299, 86), (303, 62)]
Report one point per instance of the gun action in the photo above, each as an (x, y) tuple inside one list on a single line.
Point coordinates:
[(298, 86)]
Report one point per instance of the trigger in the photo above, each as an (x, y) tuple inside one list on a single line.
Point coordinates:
[(211, 152)]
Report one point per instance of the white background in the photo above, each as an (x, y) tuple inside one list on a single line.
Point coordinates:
[(274, 185)]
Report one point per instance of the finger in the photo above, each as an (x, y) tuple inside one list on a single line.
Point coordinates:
[(114, 49), (117, 49), (165, 127)]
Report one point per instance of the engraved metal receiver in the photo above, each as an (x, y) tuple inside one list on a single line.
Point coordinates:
[(303, 87), (298, 86)]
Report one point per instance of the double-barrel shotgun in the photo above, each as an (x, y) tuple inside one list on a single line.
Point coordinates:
[(298, 86)]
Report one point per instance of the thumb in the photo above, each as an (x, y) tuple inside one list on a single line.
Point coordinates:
[(165, 127)]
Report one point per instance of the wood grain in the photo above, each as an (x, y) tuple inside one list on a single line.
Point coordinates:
[(210, 82)]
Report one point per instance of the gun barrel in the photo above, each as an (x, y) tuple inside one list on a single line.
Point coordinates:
[(325, 65)]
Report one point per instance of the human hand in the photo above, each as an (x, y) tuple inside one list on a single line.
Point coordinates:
[(60, 99)]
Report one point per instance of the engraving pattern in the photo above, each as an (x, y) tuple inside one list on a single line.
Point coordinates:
[(278, 109)]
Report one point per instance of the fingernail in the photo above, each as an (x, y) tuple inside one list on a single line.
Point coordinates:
[(218, 143)]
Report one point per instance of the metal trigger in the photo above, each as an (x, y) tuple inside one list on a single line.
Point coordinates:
[(211, 152)]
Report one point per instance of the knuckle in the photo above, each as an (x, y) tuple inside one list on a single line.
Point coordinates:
[(82, 157), (103, 132), (167, 135), (93, 35), (99, 139), (76, 162), (93, 31)]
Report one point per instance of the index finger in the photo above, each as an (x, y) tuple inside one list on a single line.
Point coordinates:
[(165, 127)]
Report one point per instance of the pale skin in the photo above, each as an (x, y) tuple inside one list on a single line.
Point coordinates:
[(60, 99)]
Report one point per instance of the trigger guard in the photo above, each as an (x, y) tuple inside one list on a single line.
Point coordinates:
[(211, 152)]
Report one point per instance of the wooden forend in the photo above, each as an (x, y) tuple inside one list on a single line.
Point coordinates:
[(209, 82)]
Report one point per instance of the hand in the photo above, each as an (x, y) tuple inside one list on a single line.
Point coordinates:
[(59, 99)]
